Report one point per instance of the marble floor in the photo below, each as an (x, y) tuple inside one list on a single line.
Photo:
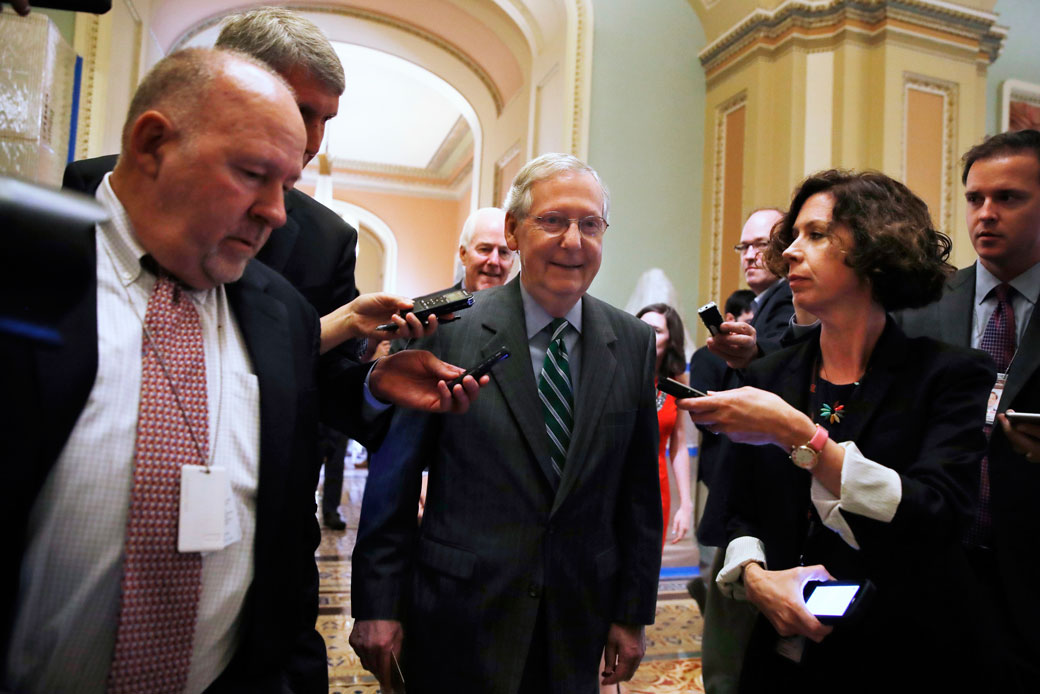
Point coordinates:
[(673, 657)]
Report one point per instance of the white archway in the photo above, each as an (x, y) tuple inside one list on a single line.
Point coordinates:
[(357, 216)]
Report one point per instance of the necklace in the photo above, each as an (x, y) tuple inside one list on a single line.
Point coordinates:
[(831, 413)]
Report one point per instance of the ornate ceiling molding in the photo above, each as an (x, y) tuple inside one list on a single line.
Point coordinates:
[(367, 15), (953, 28)]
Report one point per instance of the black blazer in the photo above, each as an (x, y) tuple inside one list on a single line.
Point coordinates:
[(502, 538), (919, 410), (47, 388), (1014, 481)]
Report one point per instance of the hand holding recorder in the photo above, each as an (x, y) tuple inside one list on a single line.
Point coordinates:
[(733, 341)]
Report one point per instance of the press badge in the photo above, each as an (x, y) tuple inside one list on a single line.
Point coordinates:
[(208, 520), (994, 398)]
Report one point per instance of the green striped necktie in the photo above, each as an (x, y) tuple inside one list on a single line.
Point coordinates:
[(554, 388)]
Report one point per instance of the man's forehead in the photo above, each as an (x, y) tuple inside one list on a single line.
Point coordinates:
[(555, 189), (760, 224), (1013, 169), (489, 233)]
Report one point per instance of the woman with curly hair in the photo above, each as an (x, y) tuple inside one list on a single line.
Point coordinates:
[(860, 450)]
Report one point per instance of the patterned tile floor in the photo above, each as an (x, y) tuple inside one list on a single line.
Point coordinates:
[(672, 663)]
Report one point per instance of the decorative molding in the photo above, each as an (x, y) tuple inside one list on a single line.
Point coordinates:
[(90, 24), (453, 143), (449, 178), (579, 122), (376, 18), (948, 92), (969, 33), (1016, 90), (344, 179), (500, 165), (718, 187)]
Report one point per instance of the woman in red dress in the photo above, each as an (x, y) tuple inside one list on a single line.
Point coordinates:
[(671, 363)]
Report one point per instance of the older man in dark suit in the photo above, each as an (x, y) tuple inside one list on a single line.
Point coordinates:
[(187, 383), (540, 546), (990, 306)]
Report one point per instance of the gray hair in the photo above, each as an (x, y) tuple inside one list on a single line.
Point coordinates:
[(470, 226), (518, 201), (179, 84), (284, 40)]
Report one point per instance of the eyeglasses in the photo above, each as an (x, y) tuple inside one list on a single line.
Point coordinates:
[(554, 224), (759, 246)]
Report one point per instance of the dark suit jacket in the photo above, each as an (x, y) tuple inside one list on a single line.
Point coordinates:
[(772, 316), (919, 410), (315, 250), (1014, 481), (48, 387), (501, 538)]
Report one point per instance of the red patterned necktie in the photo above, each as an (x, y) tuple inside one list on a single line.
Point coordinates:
[(999, 342), (160, 586)]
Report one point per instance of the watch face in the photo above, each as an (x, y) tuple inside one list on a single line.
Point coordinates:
[(804, 457)]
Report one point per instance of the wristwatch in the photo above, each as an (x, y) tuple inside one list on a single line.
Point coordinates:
[(807, 455)]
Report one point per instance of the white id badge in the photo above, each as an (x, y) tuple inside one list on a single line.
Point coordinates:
[(203, 508), (994, 398)]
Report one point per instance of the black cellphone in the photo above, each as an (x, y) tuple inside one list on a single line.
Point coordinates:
[(436, 304), (481, 368), (835, 602), (678, 390), (709, 313)]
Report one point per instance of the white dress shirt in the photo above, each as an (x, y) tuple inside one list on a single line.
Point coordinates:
[(536, 320), (1027, 289), (69, 593)]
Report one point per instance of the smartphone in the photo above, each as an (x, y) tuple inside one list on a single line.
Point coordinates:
[(436, 304), (1023, 416), (678, 390), (481, 368), (833, 602), (709, 313)]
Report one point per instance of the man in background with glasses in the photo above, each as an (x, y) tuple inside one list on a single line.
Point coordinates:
[(741, 342), (540, 545)]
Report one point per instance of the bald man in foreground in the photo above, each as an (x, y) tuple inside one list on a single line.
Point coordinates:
[(158, 484)]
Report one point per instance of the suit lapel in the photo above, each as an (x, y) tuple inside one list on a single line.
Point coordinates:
[(598, 365), (883, 369), (276, 252), (1025, 364), (956, 310), (263, 321), (767, 298), (506, 322)]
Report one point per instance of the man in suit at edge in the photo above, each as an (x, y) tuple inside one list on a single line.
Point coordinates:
[(315, 249), (740, 343), (1001, 179), (521, 573), (196, 192)]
